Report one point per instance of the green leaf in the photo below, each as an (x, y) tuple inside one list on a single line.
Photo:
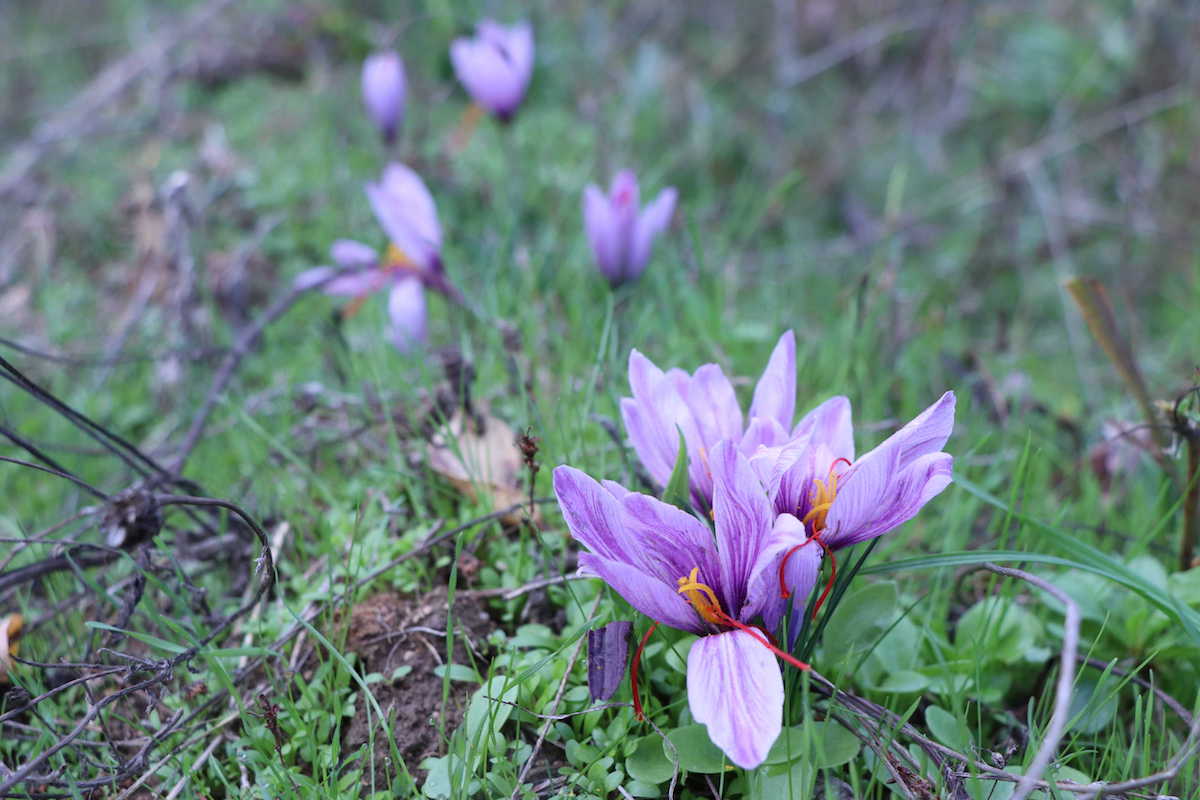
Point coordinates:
[(820, 744), (948, 729), (457, 672), (905, 681), (696, 751), (144, 638), (1093, 704), (996, 629), (648, 762), (1091, 559), (861, 617), (677, 492), (490, 707)]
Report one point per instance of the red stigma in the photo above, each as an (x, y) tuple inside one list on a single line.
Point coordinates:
[(785, 592), (753, 631), (633, 674), (832, 578)]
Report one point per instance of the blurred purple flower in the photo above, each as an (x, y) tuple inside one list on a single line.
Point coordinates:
[(619, 231), (705, 408), (715, 583), (383, 89), (495, 65), (406, 211), (844, 501)]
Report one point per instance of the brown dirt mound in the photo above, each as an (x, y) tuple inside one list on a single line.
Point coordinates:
[(392, 630)]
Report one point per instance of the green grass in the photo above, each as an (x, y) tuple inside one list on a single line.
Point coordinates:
[(866, 208)]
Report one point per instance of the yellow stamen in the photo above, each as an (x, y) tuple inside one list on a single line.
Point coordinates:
[(395, 258), (702, 598), (822, 500)]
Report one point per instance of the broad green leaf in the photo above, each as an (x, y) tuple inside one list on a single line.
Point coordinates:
[(648, 762), (457, 672), (1083, 557), (794, 779), (948, 729), (998, 629), (1093, 704), (904, 682), (490, 708), (820, 744), (696, 751), (862, 615)]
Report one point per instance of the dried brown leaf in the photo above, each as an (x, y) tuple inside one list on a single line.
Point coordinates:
[(479, 455)]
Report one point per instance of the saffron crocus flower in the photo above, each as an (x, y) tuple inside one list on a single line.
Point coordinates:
[(844, 501), (405, 210), (619, 231), (495, 65), (383, 90), (705, 408), (715, 583)]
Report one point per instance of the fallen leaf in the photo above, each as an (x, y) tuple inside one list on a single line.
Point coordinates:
[(479, 455)]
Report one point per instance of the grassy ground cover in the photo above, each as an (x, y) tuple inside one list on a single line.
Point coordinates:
[(911, 189)]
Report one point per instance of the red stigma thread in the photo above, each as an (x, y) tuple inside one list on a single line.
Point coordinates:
[(633, 674), (785, 592), (788, 657)]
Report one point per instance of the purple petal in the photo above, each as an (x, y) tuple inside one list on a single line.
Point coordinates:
[(873, 507), (762, 432), (743, 518), (406, 309), (623, 214), (861, 491), (655, 422), (652, 221), (644, 592), (495, 66), (349, 253), (735, 688), (354, 284), (648, 439), (405, 209), (656, 538), (927, 433), (312, 277), (829, 424), (383, 89), (672, 540), (800, 572), (714, 406), (775, 394), (598, 223), (594, 516), (607, 658)]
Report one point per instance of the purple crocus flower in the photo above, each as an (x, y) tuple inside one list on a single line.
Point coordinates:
[(844, 501), (619, 231), (705, 408), (405, 210), (715, 583), (495, 66), (383, 90)]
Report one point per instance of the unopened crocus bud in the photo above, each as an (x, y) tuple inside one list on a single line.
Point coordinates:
[(620, 232), (608, 658), (383, 89), (495, 65)]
